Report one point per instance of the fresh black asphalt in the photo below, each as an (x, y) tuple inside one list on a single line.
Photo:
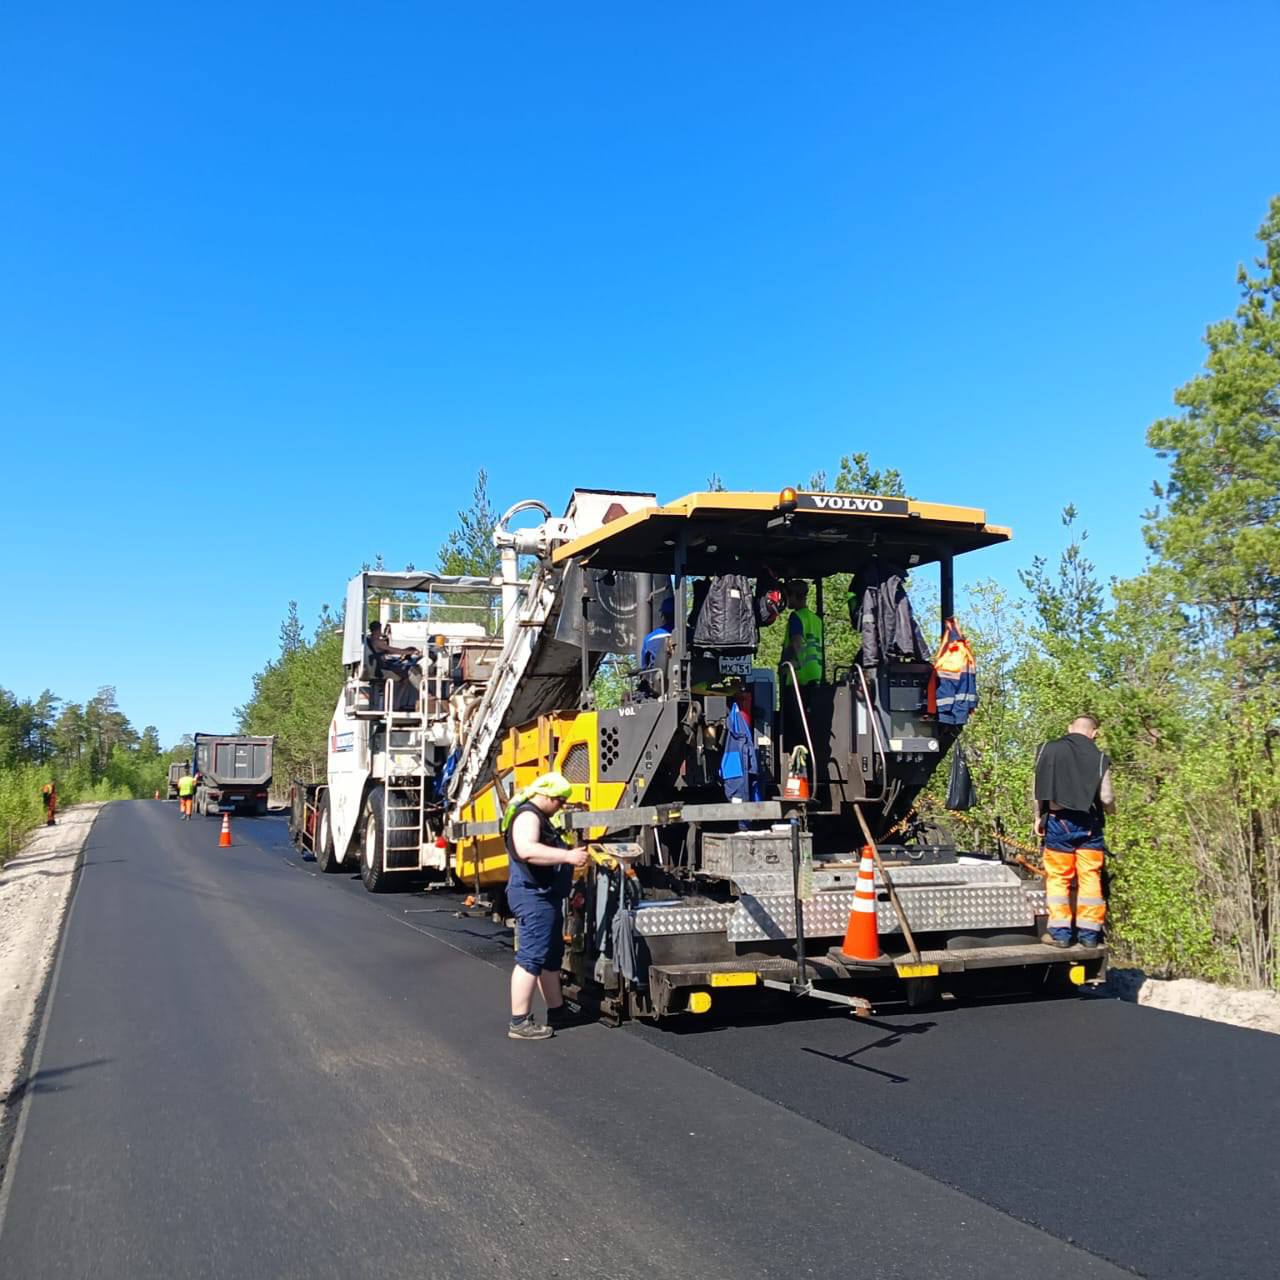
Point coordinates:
[(252, 1070)]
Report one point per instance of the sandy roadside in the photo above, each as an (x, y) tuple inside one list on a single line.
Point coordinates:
[(34, 888), (1254, 1010)]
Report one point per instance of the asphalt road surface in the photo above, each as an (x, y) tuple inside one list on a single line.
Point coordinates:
[(251, 1070)]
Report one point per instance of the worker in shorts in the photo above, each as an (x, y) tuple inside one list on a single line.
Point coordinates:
[(538, 879), (1073, 795)]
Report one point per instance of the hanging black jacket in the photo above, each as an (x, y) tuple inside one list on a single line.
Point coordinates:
[(727, 618), (883, 614)]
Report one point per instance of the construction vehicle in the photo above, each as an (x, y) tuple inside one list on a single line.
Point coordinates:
[(233, 773), (687, 892)]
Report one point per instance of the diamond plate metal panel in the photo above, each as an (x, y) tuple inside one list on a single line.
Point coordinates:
[(656, 921), (954, 873), (927, 909), (1036, 897)]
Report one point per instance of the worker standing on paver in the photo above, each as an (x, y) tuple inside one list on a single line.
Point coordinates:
[(49, 794), (541, 871), (1073, 795), (186, 789), (803, 650)]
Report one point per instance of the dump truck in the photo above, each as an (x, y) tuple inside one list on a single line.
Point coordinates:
[(175, 772), (692, 887), (233, 773)]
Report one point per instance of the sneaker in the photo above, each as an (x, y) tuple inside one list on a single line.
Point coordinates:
[(1088, 939), (527, 1029), (1056, 938)]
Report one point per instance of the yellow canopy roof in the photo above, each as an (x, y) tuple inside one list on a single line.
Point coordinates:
[(823, 533)]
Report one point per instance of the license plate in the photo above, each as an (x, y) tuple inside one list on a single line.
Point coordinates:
[(735, 666), (917, 970), (733, 979), (237, 797)]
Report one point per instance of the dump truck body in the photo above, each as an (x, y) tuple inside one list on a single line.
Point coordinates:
[(234, 773)]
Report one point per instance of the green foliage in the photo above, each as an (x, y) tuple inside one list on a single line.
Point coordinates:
[(293, 698), (91, 752), (1179, 665)]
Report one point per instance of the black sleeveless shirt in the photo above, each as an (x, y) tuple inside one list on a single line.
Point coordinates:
[(547, 880)]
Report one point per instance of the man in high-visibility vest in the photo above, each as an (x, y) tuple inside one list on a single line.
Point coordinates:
[(186, 789), (803, 650)]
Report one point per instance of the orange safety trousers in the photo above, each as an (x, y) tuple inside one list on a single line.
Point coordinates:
[(184, 805), (1085, 867)]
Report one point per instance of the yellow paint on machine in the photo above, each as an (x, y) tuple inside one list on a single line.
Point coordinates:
[(917, 970), (567, 742), (733, 979)]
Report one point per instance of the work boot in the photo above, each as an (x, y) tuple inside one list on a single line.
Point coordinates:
[(1057, 938), (1089, 938), (526, 1029)]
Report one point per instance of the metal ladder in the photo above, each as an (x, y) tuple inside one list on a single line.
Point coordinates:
[(411, 726)]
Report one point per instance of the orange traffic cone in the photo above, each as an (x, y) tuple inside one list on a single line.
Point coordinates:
[(224, 840), (861, 938), (797, 784)]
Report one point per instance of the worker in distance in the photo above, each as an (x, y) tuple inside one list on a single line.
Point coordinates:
[(538, 879)]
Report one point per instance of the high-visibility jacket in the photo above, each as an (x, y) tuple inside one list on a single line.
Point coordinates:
[(186, 786), (808, 662), (953, 687)]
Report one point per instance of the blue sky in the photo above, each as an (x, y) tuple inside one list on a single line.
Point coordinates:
[(275, 280)]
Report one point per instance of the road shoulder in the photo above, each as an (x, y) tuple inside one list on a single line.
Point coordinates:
[(35, 888)]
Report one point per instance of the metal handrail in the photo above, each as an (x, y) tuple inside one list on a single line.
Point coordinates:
[(804, 720), (875, 733)]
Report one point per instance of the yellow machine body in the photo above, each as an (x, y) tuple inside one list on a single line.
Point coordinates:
[(567, 742)]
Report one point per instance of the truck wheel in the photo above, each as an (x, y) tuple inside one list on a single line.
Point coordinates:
[(326, 859), (375, 819)]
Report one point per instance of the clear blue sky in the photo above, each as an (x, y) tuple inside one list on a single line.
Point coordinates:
[(276, 279)]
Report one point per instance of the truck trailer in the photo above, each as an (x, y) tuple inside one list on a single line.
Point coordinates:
[(693, 885), (233, 773)]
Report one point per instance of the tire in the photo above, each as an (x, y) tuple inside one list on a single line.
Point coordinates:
[(372, 825), (326, 859), (260, 810)]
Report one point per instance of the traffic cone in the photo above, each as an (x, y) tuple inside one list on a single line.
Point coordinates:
[(797, 784), (861, 938), (224, 840)]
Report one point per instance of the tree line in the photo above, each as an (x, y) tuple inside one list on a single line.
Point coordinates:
[(1179, 663), (89, 750)]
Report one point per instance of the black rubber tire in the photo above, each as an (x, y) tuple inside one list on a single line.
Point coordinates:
[(372, 823), (260, 810), (326, 858)]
